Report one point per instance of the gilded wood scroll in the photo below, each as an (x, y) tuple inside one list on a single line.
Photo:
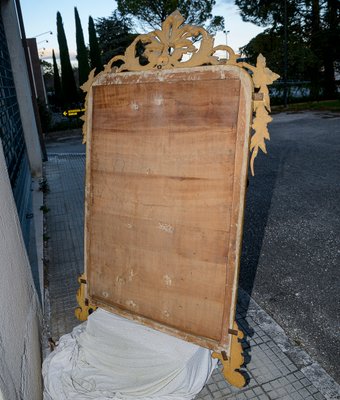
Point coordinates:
[(172, 47)]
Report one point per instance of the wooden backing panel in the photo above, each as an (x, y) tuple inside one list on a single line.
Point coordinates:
[(165, 193), (180, 159), (164, 143), (194, 244), (211, 73), (170, 271), (182, 296), (192, 160), (167, 102), (189, 165), (200, 203)]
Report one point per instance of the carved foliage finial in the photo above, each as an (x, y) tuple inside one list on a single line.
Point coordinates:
[(166, 47), (262, 77), (174, 46)]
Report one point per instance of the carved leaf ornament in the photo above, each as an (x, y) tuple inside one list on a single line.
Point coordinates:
[(173, 47)]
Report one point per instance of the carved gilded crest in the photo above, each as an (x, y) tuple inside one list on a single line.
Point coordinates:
[(173, 47)]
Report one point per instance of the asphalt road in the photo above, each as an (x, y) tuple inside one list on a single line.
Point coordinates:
[(291, 250)]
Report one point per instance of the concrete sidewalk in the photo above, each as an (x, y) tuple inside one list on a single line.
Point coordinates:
[(276, 369)]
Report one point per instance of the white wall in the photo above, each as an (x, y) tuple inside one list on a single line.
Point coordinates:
[(22, 85), (20, 314)]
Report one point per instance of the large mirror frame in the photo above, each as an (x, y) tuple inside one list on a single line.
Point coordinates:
[(168, 137)]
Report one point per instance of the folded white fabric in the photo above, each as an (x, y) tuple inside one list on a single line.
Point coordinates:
[(110, 357)]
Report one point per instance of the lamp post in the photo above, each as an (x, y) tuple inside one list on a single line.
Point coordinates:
[(44, 33), (226, 41), (226, 37)]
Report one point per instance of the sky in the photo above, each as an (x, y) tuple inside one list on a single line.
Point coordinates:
[(40, 17)]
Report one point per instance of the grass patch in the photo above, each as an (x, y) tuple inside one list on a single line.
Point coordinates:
[(324, 105)]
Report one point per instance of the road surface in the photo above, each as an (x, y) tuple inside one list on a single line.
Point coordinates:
[(291, 249)]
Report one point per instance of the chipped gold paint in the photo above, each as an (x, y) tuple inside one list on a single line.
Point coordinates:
[(84, 310), (233, 363), (165, 48)]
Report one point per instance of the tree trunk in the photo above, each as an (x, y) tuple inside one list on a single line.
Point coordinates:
[(315, 46), (331, 41)]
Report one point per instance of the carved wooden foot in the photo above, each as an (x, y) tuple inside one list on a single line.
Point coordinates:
[(232, 364), (85, 308)]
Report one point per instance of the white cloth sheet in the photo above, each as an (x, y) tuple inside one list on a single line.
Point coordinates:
[(110, 357)]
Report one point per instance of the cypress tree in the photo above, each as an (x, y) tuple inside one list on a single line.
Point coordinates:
[(56, 81), (82, 56), (95, 57), (68, 83)]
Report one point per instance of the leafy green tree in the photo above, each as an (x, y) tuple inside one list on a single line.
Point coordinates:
[(56, 81), (153, 13), (95, 55), (330, 45), (68, 83), (300, 56), (82, 54), (114, 35), (47, 67), (313, 24)]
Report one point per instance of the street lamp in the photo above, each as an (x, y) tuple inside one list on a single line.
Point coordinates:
[(44, 33), (226, 41), (226, 36)]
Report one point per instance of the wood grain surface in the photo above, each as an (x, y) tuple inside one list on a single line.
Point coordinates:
[(167, 164)]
